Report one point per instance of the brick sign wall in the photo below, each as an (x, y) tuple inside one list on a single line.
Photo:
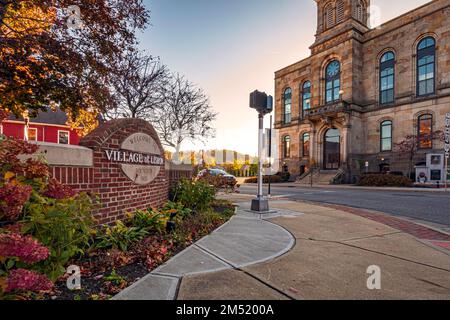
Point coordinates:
[(128, 170)]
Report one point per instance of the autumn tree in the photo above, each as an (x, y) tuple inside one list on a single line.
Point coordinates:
[(138, 86), (185, 113), (50, 56), (411, 144)]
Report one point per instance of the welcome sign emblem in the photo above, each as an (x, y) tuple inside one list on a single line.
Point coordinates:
[(139, 157)]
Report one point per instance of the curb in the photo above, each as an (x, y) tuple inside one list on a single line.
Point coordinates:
[(139, 289)]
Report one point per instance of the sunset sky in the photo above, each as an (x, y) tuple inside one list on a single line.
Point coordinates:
[(232, 47)]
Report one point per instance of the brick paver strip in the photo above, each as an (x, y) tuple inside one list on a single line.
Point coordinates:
[(411, 228), (414, 229), (445, 245)]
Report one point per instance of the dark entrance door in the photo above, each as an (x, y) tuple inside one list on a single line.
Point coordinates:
[(332, 150)]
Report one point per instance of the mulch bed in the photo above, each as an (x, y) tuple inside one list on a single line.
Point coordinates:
[(106, 273)]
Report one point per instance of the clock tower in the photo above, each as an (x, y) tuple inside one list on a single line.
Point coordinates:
[(336, 16)]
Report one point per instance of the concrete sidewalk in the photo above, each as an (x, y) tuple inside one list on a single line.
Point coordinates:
[(333, 250), (247, 239)]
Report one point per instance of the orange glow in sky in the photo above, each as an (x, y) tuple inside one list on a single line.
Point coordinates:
[(232, 47)]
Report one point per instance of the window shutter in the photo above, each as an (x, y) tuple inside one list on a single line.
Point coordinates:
[(340, 11)]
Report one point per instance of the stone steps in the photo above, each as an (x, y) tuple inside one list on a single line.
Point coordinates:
[(319, 177)]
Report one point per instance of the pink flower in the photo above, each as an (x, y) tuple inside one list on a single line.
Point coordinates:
[(25, 248), (26, 280)]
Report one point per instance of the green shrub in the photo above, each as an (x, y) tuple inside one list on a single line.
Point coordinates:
[(150, 219), (120, 236), (65, 226), (195, 195), (176, 208), (384, 180), (273, 179)]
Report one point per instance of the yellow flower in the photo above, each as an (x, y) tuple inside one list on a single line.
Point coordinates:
[(9, 175)]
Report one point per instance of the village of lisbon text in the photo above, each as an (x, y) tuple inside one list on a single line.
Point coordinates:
[(129, 157)]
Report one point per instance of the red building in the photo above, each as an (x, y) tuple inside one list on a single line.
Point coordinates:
[(46, 127)]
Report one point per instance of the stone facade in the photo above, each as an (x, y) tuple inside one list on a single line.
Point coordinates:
[(357, 112)]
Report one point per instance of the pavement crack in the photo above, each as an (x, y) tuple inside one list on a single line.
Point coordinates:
[(267, 284), (432, 283), (373, 236)]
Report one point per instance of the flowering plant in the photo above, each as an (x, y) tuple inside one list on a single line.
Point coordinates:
[(22, 251), (24, 248), (12, 199), (26, 280)]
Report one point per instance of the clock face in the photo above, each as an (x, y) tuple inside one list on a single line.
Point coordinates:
[(333, 68)]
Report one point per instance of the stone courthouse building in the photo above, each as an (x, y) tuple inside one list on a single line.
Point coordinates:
[(363, 90)]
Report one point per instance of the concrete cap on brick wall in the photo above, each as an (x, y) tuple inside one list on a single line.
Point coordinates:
[(64, 155)]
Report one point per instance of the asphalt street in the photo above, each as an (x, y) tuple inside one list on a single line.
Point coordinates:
[(429, 207)]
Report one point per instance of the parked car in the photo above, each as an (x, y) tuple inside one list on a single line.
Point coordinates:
[(231, 180)]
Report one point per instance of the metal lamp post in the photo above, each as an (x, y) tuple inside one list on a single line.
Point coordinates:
[(263, 104)]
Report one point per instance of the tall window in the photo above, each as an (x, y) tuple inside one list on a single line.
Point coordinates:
[(333, 81), (287, 147), (329, 16), (425, 131), (386, 136), (306, 96), (305, 144), (358, 10), (340, 11), (426, 67), (387, 76), (287, 110)]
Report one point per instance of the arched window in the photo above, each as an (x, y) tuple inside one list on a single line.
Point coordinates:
[(287, 108), (332, 81), (287, 147), (305, 144), (340, 11), (328, 16), (306, 96), (386, 136), (425, 131), (387, 76), (426, 66)]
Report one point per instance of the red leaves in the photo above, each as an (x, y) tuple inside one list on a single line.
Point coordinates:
[(153, 251), (26, 280), (47, 62), (25, 248), (31, 169), (12, 200), (56, 190), (11, 148)]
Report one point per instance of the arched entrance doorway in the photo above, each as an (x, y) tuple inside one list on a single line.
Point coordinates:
[(332, 149)]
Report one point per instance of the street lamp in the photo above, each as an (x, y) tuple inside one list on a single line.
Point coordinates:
[(263, 104)]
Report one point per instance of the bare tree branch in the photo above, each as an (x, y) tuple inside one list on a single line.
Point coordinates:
[(184, 114), (137, 87)]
